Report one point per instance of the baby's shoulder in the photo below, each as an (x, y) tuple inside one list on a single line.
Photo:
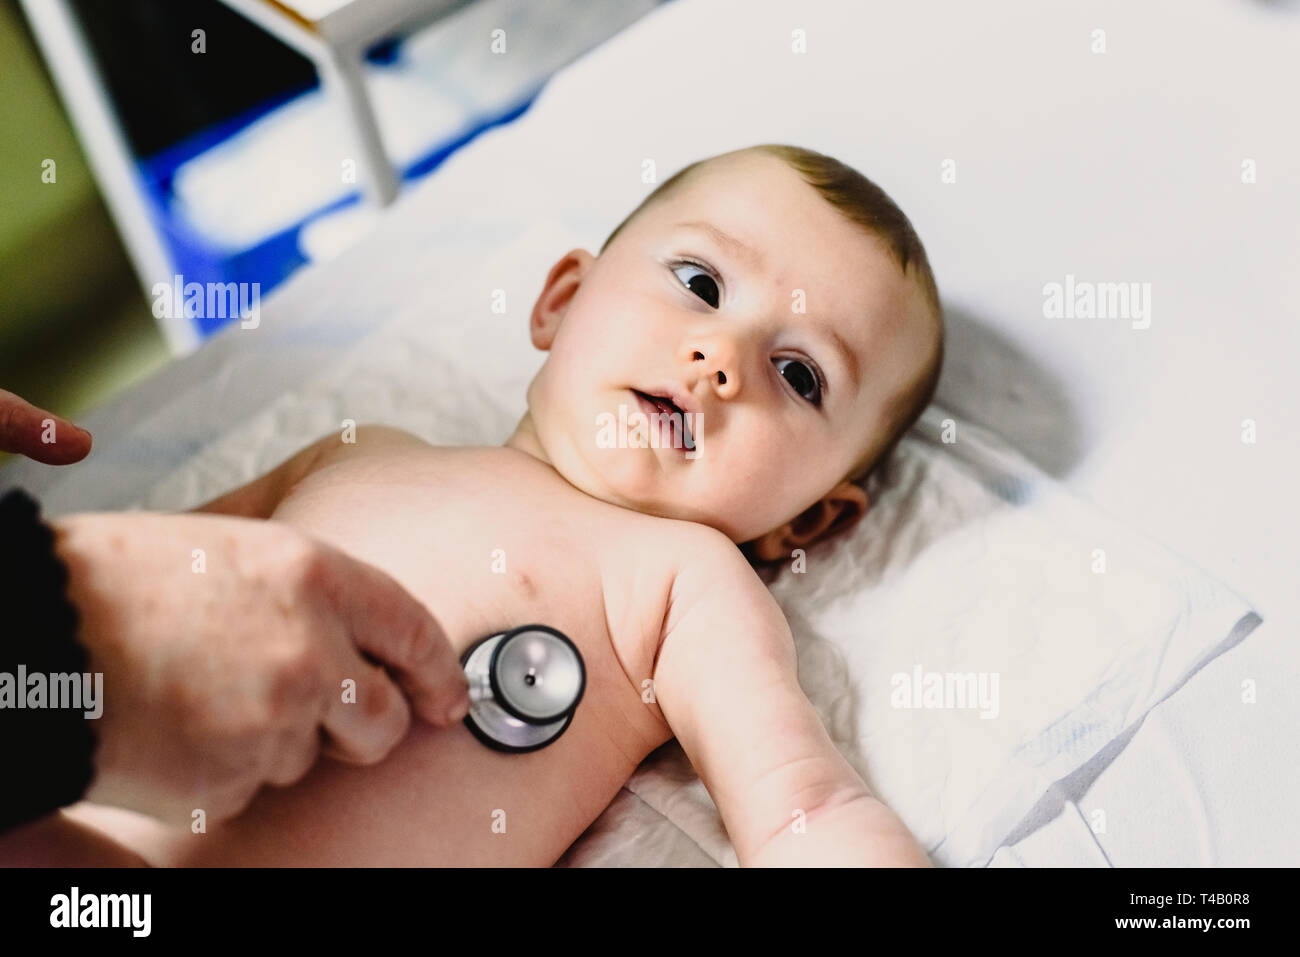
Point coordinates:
[(675, 547), (689, 561), (377, 437), (354, 441)]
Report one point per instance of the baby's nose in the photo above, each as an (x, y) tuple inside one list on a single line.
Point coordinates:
[(717, 360)]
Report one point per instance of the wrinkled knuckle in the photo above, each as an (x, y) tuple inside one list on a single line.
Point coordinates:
[(413, 643), (297, 650), (296, 682), (285, 556), (188, 709), (303, 562), (249, 725)]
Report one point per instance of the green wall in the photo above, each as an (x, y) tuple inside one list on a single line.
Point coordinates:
[(60, 257)]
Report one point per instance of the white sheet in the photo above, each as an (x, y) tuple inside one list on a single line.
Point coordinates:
[(1202, 783), (1116, 166)]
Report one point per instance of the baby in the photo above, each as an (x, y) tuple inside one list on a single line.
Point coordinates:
[(781, 309)]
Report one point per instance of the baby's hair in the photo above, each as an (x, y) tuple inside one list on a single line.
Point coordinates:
[(867, 205)]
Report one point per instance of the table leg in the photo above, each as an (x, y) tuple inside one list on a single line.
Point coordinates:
[(342, 79)]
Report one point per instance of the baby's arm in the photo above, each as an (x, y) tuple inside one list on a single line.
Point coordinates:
[(726, 679)]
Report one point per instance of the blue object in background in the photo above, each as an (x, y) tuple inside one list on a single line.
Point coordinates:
[(274, 258)]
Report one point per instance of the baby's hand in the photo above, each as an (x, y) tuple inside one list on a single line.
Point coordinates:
[(219, 680)]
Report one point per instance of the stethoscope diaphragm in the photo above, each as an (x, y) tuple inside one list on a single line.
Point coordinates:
[(524, 686)]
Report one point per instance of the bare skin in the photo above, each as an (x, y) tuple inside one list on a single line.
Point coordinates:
[(432, 518)]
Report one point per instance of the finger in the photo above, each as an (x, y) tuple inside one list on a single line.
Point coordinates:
[(363, 728), (33, 432), (296, 753), (223, 804), (387, 623), (226, 779)]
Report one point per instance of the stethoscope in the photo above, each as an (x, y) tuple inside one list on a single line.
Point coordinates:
[(524, 686)]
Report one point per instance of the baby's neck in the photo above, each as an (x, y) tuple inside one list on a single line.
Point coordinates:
[(525, 439)]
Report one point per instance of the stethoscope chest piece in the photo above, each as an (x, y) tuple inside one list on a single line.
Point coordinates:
[(524, 686)]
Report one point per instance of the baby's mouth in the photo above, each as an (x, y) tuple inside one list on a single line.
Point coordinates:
[(679, 419)]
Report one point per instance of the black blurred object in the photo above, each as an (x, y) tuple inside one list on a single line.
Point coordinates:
[(164, 92), (49, 751)]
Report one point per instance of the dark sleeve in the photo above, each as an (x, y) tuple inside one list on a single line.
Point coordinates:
[(48, 752)]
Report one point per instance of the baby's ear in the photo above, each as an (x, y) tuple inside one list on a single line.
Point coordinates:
[(835, 512), (561, 283)]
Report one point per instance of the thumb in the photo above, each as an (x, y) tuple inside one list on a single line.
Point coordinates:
[(388, 624)]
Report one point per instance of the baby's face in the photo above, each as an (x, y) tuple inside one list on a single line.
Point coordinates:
[(783, 352)]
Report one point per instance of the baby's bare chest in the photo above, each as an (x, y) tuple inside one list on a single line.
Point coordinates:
[(487, 543), (485, 549)]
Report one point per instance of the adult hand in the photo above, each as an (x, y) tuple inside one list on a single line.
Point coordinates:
[(228, 647), (37, 434)]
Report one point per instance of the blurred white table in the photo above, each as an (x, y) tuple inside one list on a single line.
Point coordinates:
[(335, 34)]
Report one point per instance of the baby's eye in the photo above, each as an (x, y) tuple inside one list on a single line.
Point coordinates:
[(806, 382), (702, 285)]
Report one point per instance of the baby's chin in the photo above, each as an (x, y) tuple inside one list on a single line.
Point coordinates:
[(616, 477)]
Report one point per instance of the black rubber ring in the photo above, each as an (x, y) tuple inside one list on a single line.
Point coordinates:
[(501, 700)]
